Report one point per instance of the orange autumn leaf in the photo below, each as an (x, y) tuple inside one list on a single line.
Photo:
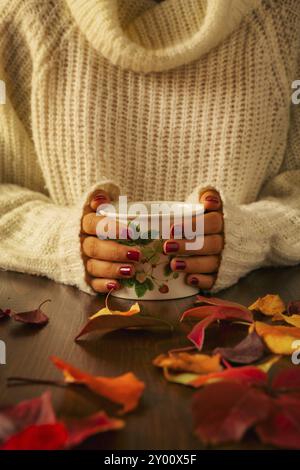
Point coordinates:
[(293, 320), (249, 375), (279, 339), (197, 363), (125, 390), (269, 305), (134, 309)]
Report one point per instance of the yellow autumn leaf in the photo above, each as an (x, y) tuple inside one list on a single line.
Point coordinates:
[(293, 320), (134, 309), (269, 305), (279, 339), (185, 362)]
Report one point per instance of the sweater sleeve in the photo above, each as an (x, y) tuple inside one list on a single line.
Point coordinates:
[(265, 232), (37, 236)]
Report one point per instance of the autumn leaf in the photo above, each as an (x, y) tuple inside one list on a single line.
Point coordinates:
[(223, 412), (279, 339), (125, 390), (107, 320), (209, 315), (33, 317), (293, 320), (282, 428), (249, 375), (197, 363), (221, 302), (249, 350), (269, 305), (287, 379), (36, 411), (80, 429), (134, 309), (38, 437)]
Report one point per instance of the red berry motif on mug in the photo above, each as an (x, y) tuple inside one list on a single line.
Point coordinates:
[(164, 289)]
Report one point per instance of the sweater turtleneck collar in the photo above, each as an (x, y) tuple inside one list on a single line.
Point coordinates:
[(146, 36)]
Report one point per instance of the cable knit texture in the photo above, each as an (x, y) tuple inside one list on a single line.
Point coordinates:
[(159, 101)]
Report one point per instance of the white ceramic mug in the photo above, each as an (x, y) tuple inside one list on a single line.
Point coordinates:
[(154, 280)]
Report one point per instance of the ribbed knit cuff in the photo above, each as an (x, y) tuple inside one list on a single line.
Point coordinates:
[(72, 269), (245, 244)]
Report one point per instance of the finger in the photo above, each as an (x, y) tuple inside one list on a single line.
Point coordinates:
[(196, 264), (109, 250), (92, 221), (213, 223), (211, 200), (213, 245), (105, 269), (98, 198), (203, 281), (104, 286)]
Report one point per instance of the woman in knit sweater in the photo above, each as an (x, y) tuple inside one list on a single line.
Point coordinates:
[(176, 100)]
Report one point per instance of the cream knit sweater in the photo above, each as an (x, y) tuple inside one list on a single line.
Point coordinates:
[(158, 101)]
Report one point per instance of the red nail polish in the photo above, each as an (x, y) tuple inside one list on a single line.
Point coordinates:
[(194, 281), (125, 270), (171, 247), (180, 265), (133, 255), (100, 198), (212, 199), (111, 286)]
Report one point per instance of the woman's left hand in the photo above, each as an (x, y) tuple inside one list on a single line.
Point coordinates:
[(201, 265)]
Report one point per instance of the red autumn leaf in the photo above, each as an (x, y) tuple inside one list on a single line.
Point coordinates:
[(282, 428), (30, 412), (287, 379), (197, 334), (5, 314), (209, 315), (125, 389), (38, 437), (221, 302), (249, 350), (80, 429), (33, 317), (223, 412), (247, 375)]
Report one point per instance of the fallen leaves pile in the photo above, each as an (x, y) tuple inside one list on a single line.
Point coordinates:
[(239, 388)]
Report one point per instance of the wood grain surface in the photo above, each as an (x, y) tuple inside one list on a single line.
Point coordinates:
[(163, 420)]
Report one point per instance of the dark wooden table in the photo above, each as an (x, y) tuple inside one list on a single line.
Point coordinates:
[(163, 420)]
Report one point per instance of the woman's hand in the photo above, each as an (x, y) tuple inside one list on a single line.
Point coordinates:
[(202, 265), (106, 261)]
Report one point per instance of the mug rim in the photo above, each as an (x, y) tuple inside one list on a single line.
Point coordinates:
[(195, 209)]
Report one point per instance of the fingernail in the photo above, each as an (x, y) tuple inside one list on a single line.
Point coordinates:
[(133, 255), (194, 281), (111, 286), (176, 230), (125, 270), (179, 264), (100, 198), (171, 247), (212, 199)]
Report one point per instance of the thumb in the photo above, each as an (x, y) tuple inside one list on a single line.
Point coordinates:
[(99, 197), (211, 200)]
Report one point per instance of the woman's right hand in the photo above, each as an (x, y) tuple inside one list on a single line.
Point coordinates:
[(106, 261)]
